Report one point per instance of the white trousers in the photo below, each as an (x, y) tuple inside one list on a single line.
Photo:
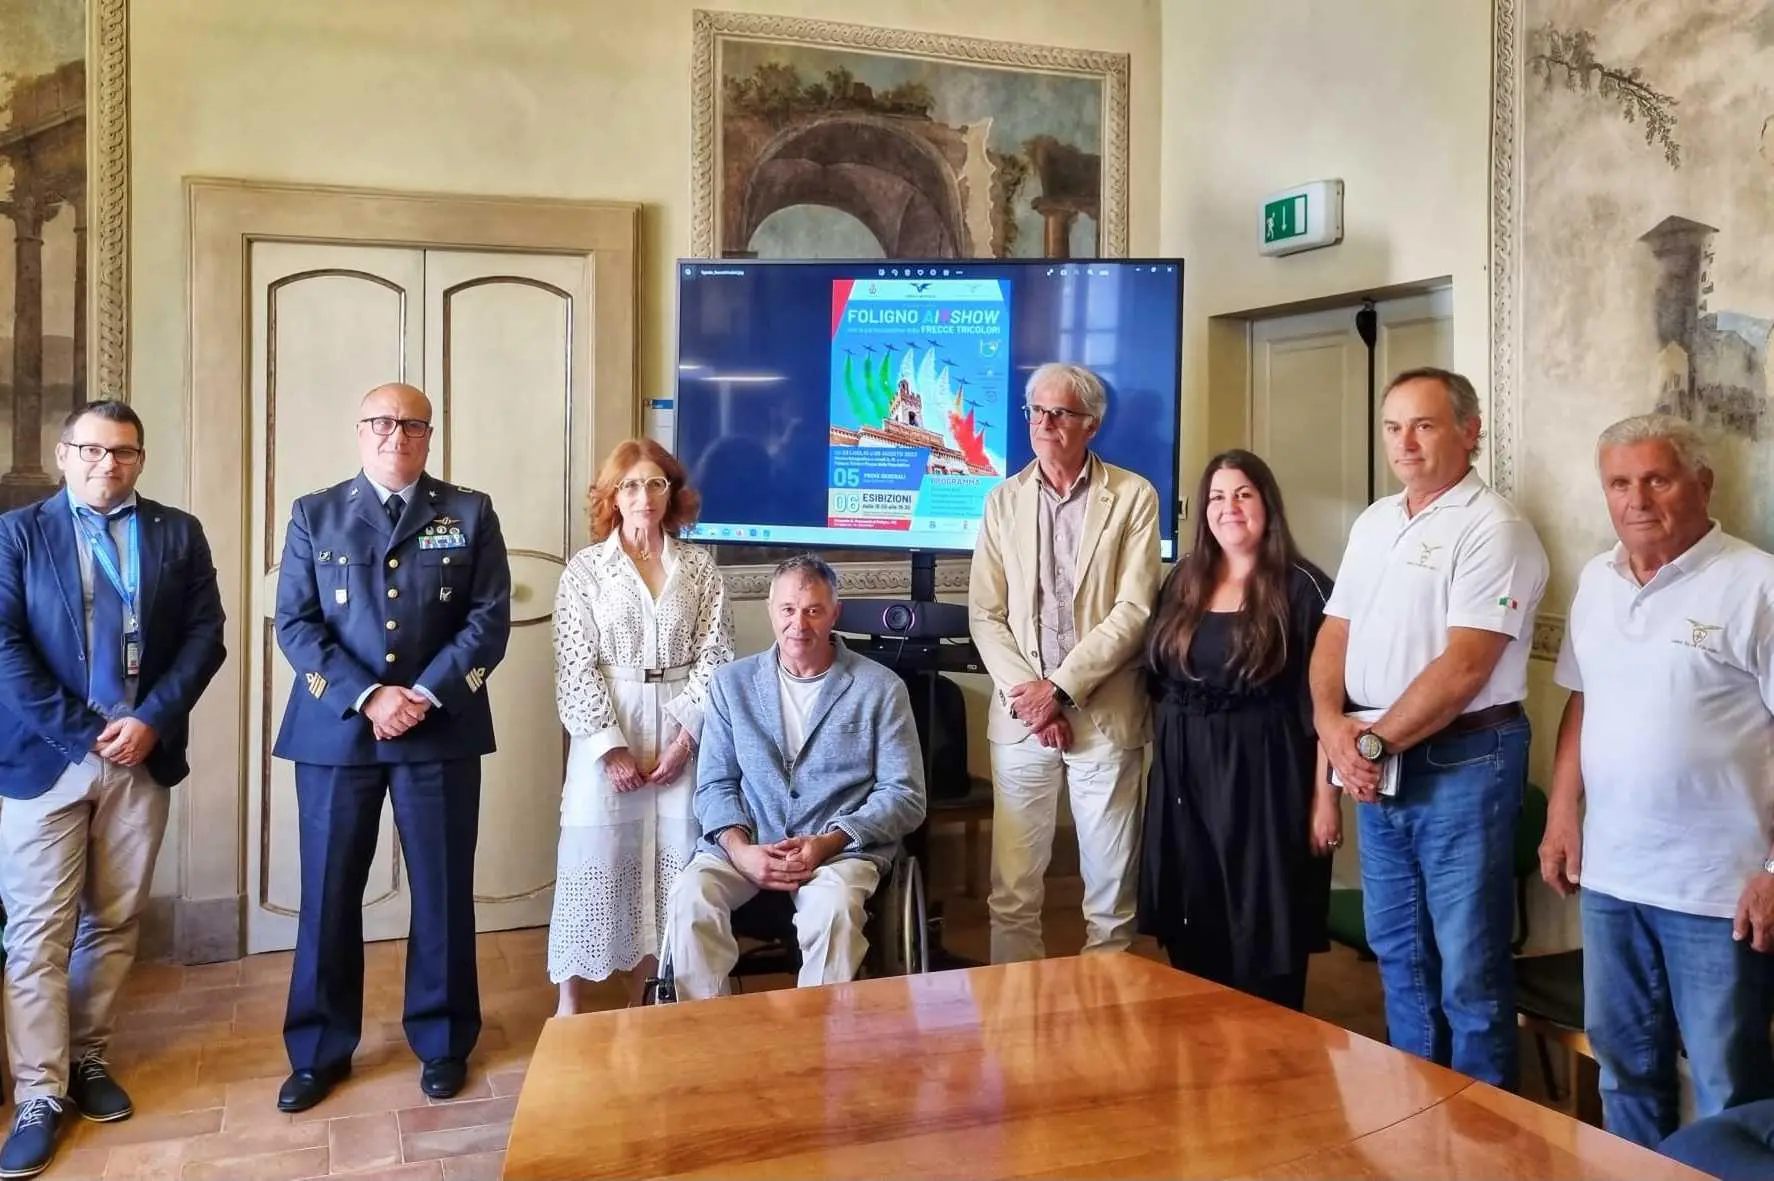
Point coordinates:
[(1104, 783), (76, 864), (828, 923)]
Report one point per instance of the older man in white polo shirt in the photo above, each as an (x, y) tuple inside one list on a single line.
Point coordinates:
[(1669, 733), (1417, 681)]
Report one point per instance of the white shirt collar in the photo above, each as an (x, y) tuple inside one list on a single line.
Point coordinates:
[(1459, 495), (610, 552), (1686, 562)]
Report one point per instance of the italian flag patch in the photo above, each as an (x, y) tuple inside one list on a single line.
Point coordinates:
[(1507, 603)]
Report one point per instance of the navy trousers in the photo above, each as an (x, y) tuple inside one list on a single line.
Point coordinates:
[(437, 813)]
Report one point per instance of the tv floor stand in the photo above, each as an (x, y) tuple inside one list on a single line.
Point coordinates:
[(923, 576)]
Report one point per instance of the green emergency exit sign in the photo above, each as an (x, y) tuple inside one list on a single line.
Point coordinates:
[(1303, 217), (1284, 219)]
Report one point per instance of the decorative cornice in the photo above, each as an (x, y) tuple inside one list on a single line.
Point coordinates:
[(108, 193), (855, 579), (710, 27), (1505, 424)]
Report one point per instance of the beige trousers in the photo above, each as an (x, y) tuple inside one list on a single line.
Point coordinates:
[(829, 921), (1103, 781), (76, 864)]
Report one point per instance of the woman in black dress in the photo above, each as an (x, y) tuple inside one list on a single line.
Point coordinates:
[(1240, 818)]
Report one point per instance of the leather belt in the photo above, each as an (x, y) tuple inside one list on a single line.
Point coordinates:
[(1488, 718), (650, 676)]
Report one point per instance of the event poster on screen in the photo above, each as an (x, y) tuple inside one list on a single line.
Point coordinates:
[(920, 406)]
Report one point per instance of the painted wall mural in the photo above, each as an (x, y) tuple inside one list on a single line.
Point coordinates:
[(1633, 211)]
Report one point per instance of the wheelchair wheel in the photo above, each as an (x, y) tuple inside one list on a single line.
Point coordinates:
[(914, 948), (661, 989)]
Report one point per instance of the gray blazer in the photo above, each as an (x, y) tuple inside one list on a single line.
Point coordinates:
[(860, 770)]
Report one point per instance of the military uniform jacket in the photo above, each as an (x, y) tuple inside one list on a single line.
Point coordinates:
[(361, 602)]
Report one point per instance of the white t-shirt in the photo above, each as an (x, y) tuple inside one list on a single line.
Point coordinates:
[(1468, 560), (798, 696), (1677, 678)]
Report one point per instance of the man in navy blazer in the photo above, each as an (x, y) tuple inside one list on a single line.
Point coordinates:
[(110, 630), (393, 607)]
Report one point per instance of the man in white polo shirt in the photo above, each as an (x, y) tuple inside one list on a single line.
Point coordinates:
[(1669, 734), (1417, 681)]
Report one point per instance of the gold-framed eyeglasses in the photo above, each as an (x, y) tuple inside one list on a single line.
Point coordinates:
[(412, 428), (652, 486), (96, 452), (1054, 415)]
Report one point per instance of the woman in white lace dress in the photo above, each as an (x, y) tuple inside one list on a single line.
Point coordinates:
[(640, 625)]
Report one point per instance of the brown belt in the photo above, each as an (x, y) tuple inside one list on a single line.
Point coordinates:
[(1479, 719), (1487, 718)]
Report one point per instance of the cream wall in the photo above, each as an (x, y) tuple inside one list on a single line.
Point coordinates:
[(559, 98), (1394, 97)]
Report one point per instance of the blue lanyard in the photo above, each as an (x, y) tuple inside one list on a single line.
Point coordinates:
[(125, 583)]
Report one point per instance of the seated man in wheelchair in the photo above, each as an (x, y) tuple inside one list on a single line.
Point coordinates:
[(808, 778)]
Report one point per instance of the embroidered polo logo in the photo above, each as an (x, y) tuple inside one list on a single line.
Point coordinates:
[(1700, 635), (1425, 551)]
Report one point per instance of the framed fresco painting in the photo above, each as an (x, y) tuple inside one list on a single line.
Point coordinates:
[(821, 139), (64, 225), (1632, 214)]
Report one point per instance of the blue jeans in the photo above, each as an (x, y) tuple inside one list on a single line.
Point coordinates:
[(1655, 981), (1438, 896)]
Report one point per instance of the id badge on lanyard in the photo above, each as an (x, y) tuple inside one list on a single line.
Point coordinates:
[(124, 582)]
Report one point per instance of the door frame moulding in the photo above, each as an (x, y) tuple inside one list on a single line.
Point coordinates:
[(224, 218)]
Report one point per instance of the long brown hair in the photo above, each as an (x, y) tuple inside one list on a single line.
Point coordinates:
[(680, 512), (1259, 632)]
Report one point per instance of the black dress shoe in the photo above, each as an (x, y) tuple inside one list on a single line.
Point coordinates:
[(304, 1088), (443, 1078)]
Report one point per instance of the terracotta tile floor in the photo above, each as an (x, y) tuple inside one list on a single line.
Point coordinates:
[(200, 1051)]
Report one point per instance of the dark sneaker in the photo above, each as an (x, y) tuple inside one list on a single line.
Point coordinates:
[(31, 1147), (94, 1093)]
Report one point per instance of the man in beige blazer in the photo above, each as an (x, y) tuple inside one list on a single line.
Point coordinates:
[(1064, 577)]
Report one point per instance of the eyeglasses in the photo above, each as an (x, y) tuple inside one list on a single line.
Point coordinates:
[(412, 428), (1053, 415), (652, 486), (95, 453)]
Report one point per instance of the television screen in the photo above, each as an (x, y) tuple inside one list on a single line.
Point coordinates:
[(874, 404)]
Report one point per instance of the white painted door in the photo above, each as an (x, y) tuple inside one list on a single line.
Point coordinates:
[(508, 364), (1309, 410), (1309, 419), (501, 344)]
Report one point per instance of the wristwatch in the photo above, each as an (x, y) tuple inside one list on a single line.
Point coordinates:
[(1064, 698), (1370, 746), (1768, 865)]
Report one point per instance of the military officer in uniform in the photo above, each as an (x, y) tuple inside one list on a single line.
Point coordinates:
[(393, 607)]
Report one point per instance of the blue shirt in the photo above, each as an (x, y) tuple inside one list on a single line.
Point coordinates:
[(116, 523)]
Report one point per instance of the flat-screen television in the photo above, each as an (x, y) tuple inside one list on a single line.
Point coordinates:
[(874, 404)]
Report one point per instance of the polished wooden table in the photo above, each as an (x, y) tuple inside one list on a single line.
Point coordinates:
[(1110, 1066)]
